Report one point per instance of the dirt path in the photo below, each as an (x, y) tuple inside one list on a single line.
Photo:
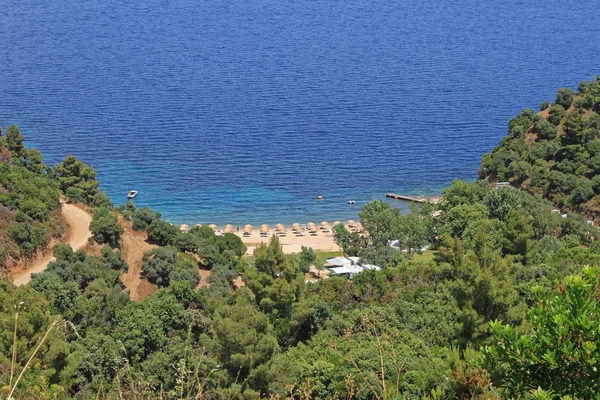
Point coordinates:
[(133, 246), (79, 221)]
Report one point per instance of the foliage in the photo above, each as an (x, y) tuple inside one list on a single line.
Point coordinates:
[(105, 227), (563, 158), (559, 352), (143, 217), (77, 179), (162, 233), (307, 257), (411, 330)]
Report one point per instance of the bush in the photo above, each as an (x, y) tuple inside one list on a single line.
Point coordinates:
[(556, 114), (564, 97), (583, 191), (105, 227), (35, 209), (144, 217), (158, 265), (162, 233)]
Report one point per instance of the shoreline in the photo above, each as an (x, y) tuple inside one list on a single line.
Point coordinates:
[(290, 243)]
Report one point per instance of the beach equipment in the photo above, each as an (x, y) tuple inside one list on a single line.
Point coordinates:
[(213, 227), (324, 223), (337, 223), (359, 227), (248, 230), (351, 222), (184, 227), (296, 227), (248, 226), (279, 227), (228, 228), (264, 229)]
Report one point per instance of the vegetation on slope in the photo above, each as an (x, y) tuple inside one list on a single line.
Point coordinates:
[(506, 308), (556, 152), (29, 201)]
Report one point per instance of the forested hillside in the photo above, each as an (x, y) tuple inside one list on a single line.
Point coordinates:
[(556, 152), (29, 201), (30, 215), (504, 304)]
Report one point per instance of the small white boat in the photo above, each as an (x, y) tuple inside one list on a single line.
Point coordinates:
[(132, 194)]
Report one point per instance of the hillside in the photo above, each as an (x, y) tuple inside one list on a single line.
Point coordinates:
[(502, 306), (556, 152), (30, 215)]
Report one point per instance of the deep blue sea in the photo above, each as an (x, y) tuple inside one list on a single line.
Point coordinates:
[(246, 111)]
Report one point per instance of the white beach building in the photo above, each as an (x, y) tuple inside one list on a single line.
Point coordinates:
[(349, 266)]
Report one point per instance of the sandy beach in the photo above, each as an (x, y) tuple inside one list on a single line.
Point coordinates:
[(290, 243)]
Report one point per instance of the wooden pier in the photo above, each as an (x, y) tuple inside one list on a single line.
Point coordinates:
[(414, 199)]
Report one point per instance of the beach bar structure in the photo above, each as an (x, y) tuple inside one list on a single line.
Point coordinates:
[(349, 266)]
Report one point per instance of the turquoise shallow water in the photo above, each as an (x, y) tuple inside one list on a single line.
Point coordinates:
[(246, 111)]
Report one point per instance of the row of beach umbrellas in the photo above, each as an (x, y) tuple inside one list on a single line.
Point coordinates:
[(280, 228)]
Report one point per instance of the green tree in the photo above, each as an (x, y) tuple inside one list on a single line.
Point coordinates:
[(77, 179), (14, 141), (35, 209), (564, 97), (269, 259), (105, 227), (158, 265), (556, 114), (307, 257), (462, 193), (380, 221), (350, 242), (144, 217), (583, 191), (244, 336), (162, 233), (559, 351)]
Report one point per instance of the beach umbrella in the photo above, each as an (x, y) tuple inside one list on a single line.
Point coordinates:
[(184, 227), (248, 226), (280, 227), (228, 228), (324, 223), (351, 222), (198, 225), (337, 223), (213, 227), (296, 227), (264, 228), (359, 227)]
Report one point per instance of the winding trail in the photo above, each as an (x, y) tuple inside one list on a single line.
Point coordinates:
[(79, 221)]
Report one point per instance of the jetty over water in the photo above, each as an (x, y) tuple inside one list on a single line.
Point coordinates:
[(414, 199)]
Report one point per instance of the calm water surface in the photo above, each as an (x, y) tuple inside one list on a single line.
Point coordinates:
[(246, 111)]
